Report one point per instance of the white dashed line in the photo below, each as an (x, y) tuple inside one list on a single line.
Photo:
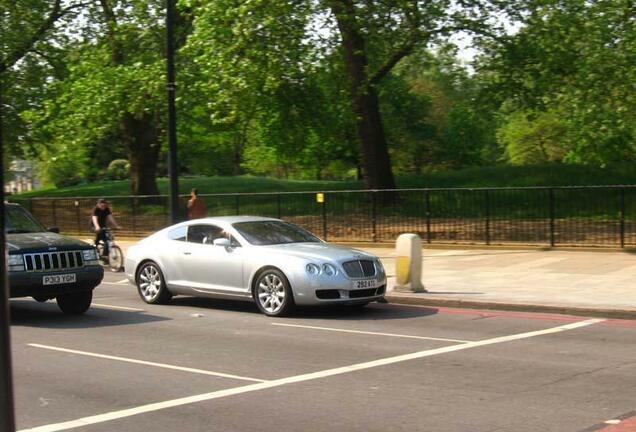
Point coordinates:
[(115, 415), (117, 307), (370, 333), (147, 363)]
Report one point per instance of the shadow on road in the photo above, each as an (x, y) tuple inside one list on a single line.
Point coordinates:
[(29, 313), (373, 311)]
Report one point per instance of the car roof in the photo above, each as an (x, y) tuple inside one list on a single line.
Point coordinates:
[(232, 219)]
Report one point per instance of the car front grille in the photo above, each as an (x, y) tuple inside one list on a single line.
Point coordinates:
[(367, 292), (359, 268), (52, 261)]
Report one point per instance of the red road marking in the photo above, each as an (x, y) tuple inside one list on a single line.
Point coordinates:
[(511, 314), (627, 425)]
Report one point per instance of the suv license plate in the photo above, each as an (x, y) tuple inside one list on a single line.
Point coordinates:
[(59, 279), (368, 283)]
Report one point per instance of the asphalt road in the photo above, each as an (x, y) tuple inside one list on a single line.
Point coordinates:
[(207, 365)]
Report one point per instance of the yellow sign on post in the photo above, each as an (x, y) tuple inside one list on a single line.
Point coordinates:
[(320, 197)]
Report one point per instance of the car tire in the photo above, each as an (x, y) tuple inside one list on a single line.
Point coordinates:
[(75, 303), (151, 285), (273, 294)]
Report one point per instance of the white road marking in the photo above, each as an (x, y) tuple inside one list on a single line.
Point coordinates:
[(115, 415), (122, 282), (147, 363), (117, 307), (113, 283), (370, 333)]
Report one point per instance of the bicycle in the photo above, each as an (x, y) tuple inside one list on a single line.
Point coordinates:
[(115, 258)]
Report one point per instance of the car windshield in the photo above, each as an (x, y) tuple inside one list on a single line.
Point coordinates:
[(18, 221), (263, 233)]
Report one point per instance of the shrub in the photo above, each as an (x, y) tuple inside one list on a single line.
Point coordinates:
[(118, 169)]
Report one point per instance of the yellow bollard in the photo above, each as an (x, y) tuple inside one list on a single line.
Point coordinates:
[(408, 264)]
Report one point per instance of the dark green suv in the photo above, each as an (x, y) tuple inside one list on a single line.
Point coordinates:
[(45, 265)]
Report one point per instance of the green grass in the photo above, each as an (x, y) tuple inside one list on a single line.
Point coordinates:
[(496, 176)]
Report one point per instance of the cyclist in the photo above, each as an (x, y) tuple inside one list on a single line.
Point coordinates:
[(102, 217)]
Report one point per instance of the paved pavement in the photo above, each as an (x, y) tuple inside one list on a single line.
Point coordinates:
[(583, 283)]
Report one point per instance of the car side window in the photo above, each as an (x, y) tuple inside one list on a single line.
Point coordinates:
[(204, 234), (178, 234)]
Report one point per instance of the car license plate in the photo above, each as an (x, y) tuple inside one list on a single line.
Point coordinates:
[(368, 283), (59, 279)]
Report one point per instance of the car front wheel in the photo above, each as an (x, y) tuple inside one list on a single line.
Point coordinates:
[(273, 294), (151, 285), (75, 303)]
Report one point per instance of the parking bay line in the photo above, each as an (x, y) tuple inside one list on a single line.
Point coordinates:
[(146, 363), (115, 415), (117, 307), (369, 333)]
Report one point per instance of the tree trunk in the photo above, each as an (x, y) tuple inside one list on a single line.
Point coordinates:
[(142, 143), (376, 162)]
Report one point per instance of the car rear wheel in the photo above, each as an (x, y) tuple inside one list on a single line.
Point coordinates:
[(151, 285), (75, 303), (273, 294)]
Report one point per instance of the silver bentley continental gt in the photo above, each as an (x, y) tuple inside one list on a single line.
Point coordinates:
[(274, 263)]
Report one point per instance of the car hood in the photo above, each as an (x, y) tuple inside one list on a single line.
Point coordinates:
[(319, 251), (42, 242)]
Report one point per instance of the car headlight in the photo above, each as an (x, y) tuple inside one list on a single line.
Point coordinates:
[(90, 257), (329, 270), (312, 269), (16, 263)]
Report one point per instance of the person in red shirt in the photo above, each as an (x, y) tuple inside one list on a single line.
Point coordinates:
[(196, 206)]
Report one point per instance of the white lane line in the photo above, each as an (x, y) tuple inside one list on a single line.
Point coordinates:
[(117, 307), (122, 282), (115, 415), (370, 333), (113, 283), (147, 363)]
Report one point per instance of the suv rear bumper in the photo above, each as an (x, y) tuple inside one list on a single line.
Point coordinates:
[(29, 284)]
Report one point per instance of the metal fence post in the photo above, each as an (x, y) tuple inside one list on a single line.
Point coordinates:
[(374, 213), (427, 201), (237, 204), (487, 204), (324, 218), (622, 217), (552, 204), (133, 209), (53, 212), (77, 216)]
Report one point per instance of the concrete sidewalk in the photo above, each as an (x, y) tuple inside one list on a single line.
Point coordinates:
[(555, 281)]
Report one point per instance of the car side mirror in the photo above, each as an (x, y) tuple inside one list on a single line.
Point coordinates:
[(221, 242), (55, 230)]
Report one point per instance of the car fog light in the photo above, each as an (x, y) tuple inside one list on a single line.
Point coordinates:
[(312, 269), (16, 268), (328, 269)]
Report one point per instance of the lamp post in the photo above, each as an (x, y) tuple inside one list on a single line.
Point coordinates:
[(172, 115), (7, 416)]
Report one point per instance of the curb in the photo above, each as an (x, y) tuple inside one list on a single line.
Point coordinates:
[(626, 314)]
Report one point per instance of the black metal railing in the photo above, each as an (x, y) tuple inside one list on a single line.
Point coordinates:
[(603, 216)]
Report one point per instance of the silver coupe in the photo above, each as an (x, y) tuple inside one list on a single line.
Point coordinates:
[(276, 264)]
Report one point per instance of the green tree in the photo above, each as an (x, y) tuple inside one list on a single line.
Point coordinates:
[(255, 48), (575, 58)]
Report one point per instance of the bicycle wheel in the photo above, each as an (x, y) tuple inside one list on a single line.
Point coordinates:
[(115, 258)]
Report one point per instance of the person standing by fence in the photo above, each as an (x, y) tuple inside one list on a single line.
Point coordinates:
[(196, 205)]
